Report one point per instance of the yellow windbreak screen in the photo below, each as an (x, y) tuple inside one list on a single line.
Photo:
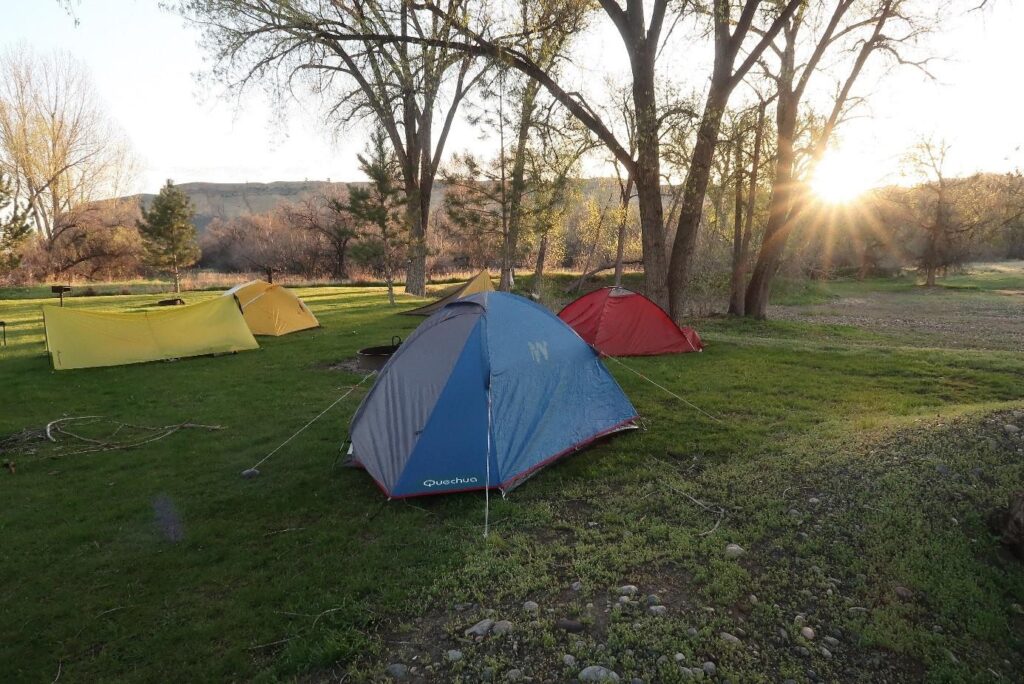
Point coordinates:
[(78, 338)]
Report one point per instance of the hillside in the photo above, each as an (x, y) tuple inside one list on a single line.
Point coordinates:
[(228, 200)]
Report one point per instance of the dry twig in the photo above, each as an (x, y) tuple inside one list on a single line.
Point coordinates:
[(54, 423), (718, 510), (271, 643)]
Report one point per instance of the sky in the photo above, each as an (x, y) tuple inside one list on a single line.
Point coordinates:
[(144, 60)]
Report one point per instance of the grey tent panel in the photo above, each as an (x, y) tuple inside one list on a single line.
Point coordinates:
[(394, 413)]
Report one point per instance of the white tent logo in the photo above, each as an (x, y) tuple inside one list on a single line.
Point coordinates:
[(539, 351), (453, 481)]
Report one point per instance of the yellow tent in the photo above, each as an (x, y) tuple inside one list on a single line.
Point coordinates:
[(481, 282), (271, 309), (77, 338)]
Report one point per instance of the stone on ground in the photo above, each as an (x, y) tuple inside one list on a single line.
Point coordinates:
[(597, 673)]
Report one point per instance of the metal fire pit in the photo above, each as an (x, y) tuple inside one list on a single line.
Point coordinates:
[(60, 290), (375, 358)]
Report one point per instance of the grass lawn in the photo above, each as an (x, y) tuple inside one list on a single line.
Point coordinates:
[(856, 471), (985, 277)]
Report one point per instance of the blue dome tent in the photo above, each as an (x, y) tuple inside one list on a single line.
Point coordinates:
[(484, 393)]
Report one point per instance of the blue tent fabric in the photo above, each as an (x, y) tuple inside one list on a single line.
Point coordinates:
[(487, 391), (457, 427)]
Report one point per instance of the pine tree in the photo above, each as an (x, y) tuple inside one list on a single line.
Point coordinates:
[(168, 234), (379, 211), (14, 226)]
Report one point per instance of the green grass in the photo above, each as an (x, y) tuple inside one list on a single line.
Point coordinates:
[(306, 572), (987, 279), (1005, 276)]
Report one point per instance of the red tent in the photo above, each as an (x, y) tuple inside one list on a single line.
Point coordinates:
[(618, 322)]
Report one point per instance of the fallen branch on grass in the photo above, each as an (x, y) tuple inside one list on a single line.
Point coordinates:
[(272, 643), (718, 510), (150, 433), (110, 610), (287, 529), (17, 443), (54, 423), (327, 612)]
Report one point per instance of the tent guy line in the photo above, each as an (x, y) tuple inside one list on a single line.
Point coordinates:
[(253, 472), (665, 389)]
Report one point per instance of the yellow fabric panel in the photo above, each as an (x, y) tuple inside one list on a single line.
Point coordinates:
[(272, 309), (246, 292), (77, 338), (481, 282)]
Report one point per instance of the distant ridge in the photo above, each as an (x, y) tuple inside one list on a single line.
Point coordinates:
[(229, 200)]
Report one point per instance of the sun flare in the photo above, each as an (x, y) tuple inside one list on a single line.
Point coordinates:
[(842, 177)]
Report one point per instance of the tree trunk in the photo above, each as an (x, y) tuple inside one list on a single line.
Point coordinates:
[(737, 292), (416, 133), (736, 283), (865, 264), (931, 252), (780, 225), (416, 215), (538, 272), (417, 177), (694, 190), (625, 193), (517, 188), (758, 289), (647, 177), (340, 251), (590, 257), (780, 211)]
